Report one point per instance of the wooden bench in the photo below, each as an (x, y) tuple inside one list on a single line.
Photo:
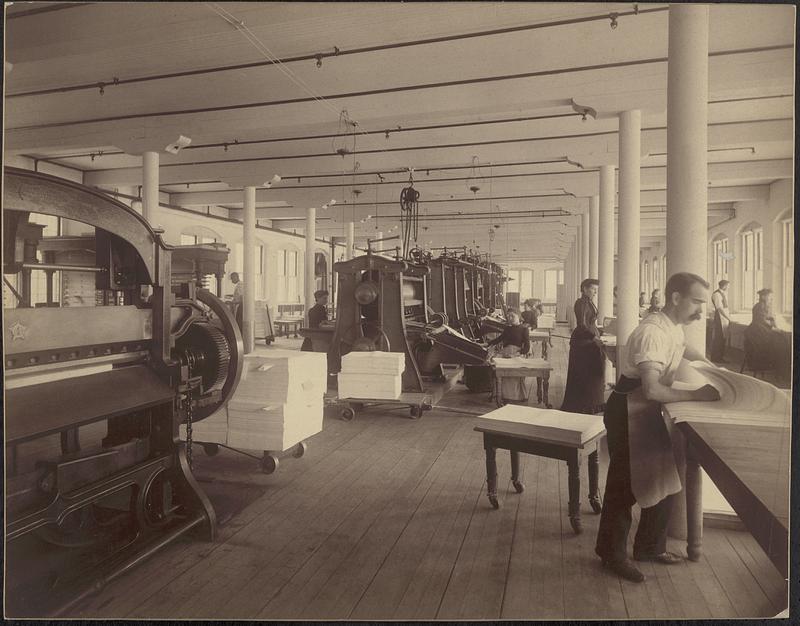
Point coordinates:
[(549, 433)]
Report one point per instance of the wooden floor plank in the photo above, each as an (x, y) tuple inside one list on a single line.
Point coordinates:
[(386, 590), (741, 588), (761, 568)]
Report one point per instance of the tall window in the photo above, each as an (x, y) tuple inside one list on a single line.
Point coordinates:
[(513, 281), (525, 285), (52, 228), (551, 279), (288, 289), (258, 262), (663, 271), (787, 264), (647, 278), (752, 265), (656, 274), (721, 257)]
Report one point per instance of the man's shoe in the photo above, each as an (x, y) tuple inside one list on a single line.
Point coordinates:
[(625, 569), (665, 558)]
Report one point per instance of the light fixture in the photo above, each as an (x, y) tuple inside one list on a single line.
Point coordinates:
[(272, 181), (179, 143)]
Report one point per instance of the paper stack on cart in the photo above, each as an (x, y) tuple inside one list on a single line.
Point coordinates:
[(213, 429), (278, 402), (372, 375)]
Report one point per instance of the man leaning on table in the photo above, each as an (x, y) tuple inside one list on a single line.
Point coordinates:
[(642, 466)]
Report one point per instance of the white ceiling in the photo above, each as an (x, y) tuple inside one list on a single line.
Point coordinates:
[(492, 110)]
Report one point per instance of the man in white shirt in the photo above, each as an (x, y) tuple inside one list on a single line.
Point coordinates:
[(642, 467), (236, 302), (722, 319)]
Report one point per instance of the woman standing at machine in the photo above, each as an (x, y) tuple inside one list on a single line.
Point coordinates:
[(585, 374)]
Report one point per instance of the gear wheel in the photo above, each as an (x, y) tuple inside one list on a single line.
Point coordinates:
[(204, 348)]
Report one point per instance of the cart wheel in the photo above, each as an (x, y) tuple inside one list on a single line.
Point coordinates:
[(348, 414), (211, 449), (518, 486), (495, 503), (300, 450), (269, 463), (415, 412), (577, 525), (594, 502)]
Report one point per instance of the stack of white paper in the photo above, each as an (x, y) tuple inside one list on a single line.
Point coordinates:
[(279, 400), (550, 425), (373, 375), (213, 429), (743, 400)]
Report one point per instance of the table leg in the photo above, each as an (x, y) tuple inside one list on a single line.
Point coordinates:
[(546, 391), (574, 482), (539, 389), (594, 489), (498, 391), (544, 350), (694, 508), (518, 486), (491, 472)]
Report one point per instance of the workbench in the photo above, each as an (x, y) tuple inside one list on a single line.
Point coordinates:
[(549, 433), (521, 367)]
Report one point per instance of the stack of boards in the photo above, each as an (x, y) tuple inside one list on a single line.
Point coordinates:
[(278, 403), (372, 375)]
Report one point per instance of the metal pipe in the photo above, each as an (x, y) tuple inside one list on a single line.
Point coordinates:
[(323, 55), (63, 268), (400, 89)]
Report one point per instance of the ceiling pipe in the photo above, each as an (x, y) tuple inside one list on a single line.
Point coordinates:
[(318, 56), (401, 89)]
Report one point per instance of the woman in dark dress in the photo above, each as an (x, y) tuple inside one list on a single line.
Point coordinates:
[(586, 371)]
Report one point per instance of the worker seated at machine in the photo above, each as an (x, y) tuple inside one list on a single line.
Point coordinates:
[(513, 342), (317, 317)]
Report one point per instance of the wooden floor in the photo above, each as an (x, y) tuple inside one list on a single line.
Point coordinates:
[(387, 518)]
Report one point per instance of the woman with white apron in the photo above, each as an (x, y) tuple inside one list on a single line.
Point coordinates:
[(642, 467)]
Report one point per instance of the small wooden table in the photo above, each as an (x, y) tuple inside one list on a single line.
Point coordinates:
[(520, 367), (541, 335), (549, 433)]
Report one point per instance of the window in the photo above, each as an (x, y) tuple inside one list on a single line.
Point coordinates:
[(787, 264), (751, 264), (656, 274), (551, 279), (39, 278), (647, 289), (525, 285), (258, 261), (721, 257), (663, 271), (288, 287)]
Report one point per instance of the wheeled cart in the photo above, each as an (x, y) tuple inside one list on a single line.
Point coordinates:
[(269, 460), (417, 402)]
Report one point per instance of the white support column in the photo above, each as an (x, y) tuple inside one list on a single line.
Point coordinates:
[(378, 246), (349, 241), (585, 251), (311, 236), (249, 269), (630, 127), (149, 185), (687, 145), (605, 248), (594, 236)]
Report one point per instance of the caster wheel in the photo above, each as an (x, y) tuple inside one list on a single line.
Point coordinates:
[(596, 506), (577, 525), (415, 412), (518, 486), (300, 450), (495, 503), (211, 449), (694, 553), (348, 414), (269, 463)]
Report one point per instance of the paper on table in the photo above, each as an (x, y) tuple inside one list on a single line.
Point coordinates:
[(743, 399)]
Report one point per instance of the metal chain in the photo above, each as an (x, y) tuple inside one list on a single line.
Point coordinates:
[(189, 418)]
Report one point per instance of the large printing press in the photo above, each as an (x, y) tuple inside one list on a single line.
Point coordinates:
[(151, 350), (433, 310)]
